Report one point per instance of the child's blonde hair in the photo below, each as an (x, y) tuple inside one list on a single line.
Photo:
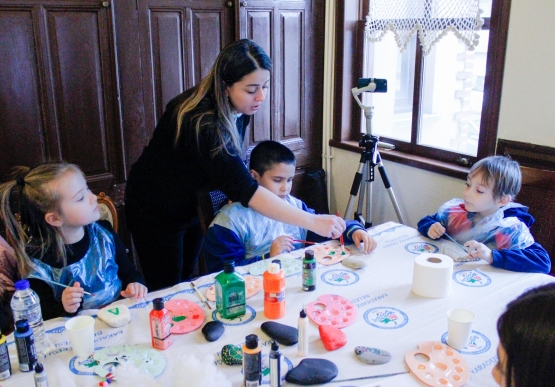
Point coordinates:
[(502, 173), (24, 202)]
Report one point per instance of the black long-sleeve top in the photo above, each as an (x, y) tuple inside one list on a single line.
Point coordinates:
[(127, 272)]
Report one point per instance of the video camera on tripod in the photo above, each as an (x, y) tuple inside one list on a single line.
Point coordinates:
[(370, 158)]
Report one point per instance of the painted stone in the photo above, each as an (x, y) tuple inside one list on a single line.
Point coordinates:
[(283, 334), (232, 354), (115, 315), (332, 337), (312, 371), (371, 355), (354, 262), (212, 330)]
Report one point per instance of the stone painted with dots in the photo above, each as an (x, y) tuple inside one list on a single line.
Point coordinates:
[(371, 355), (232, 354)]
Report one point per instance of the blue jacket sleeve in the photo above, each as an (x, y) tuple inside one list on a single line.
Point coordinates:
[(425, 223), (533, 259), (222, 244)]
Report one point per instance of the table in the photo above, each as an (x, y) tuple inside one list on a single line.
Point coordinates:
[(382, 288)]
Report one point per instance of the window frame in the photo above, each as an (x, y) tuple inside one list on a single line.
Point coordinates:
[(349, 47)]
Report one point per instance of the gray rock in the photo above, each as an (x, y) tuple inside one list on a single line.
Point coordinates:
[(354, 262), (371, 355), (312, 371)]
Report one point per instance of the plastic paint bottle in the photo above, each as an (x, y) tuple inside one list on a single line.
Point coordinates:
[(275, 365), (41, 379), (160, 325), (230, 292), (5, 365), (252, 362), (25, 344), (309, 271), (303, 334), (274, 292)]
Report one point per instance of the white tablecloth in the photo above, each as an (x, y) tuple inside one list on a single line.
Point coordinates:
[(381, 289)]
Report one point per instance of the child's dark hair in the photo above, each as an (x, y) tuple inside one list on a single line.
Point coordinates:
[(269, 153), (500, 171), (527, 333), (24, 201)]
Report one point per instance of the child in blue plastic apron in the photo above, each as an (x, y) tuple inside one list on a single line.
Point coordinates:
[(52, 221), (487, 222), (245, 236)]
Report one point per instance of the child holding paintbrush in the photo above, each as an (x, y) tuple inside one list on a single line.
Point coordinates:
[(244, 236), (60, 244)]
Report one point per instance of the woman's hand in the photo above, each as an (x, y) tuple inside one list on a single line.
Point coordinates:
[(135, 290), (282, 244), (72, 298), (329, 226), (361, 236), (479, 250), (436, 231)]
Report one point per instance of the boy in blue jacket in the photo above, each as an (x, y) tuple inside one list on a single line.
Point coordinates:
[(487, 222), (244, 236)]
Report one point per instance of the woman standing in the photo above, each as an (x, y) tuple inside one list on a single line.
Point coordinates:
[(198, 143)]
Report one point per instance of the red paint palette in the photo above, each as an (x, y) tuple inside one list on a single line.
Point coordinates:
[(332, 309), (186, 315), (330, 253)]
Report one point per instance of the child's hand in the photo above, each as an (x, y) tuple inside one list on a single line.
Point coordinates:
[(436, 230), (282, 244), (72, 297), (479, 250), (135, 290), (361, 236)]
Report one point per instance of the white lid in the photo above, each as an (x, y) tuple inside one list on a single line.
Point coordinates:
[(273, 268)]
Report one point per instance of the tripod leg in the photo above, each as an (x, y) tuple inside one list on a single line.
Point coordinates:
[(354, 189), (358, 214), (366, 188), (387, 184)]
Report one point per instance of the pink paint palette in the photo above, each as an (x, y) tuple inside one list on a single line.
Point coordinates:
[(330, 253), (186, 315), (445, 368), (252, 285), (332, 309)]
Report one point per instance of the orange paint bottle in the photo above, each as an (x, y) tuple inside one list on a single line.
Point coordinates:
[(274, 292), (160, 325)]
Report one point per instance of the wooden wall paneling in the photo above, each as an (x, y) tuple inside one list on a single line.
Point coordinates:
[(22, 121)]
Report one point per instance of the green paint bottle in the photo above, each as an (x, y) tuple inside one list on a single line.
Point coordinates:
[(230, 292)]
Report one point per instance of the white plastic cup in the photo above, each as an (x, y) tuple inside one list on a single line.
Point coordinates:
[(459, 324), (81, 335)]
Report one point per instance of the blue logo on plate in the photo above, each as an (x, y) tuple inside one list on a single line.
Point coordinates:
[(477, 343), (421, 247), (340, 277), (384, 317), (471, 278), (249, 315)]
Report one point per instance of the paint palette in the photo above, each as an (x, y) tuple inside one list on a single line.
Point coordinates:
[(289, 266), (186, 315), (330, 253), (445, 367), (252, 285), (146, 359), (332, 309)]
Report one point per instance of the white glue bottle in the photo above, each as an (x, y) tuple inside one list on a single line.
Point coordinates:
[(303, 334)]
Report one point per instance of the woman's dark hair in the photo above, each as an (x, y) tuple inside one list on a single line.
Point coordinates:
[(236, 60), (527, 334)]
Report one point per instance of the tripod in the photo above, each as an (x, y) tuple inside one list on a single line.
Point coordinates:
[(369, 159)]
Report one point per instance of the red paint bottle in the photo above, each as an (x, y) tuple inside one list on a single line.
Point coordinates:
[(160, 325)]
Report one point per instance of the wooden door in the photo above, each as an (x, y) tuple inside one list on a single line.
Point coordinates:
[(180, 40), (59, 94)]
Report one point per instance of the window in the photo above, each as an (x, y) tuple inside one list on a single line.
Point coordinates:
[(443, 106)]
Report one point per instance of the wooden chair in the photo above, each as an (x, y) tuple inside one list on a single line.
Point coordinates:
[(108, 210), (208, 204), (538, 193)]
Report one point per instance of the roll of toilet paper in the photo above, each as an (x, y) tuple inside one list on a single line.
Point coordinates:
[(432, 275)]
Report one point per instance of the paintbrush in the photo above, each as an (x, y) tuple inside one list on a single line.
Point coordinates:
[(199, 294), (455, 242), (370, 377), (64, 286), (305, 242)]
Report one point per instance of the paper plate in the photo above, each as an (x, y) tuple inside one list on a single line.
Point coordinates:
[(332, 309), (186, 315), (330, 253), (146, 359), (252, 284), (446, 367), (288, 265)]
